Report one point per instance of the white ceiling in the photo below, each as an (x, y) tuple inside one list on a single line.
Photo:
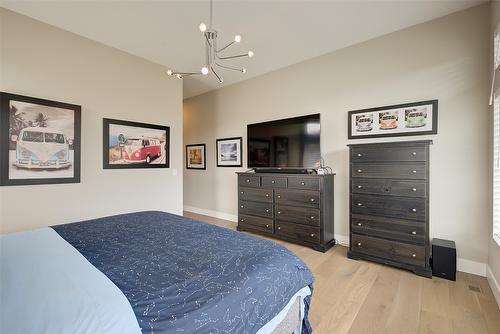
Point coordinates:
[(280, 33)]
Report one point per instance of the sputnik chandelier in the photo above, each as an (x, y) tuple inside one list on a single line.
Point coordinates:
[(214, 56)]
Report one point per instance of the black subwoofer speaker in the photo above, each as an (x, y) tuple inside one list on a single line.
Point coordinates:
[(444, 259)]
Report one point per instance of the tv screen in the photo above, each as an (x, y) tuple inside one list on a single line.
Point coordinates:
[(287, 143)]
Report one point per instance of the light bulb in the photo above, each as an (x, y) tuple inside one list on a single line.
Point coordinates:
[(204, 70), (244, 70), (179, 76), (250, 54), (203, 27), (237, 38), (170, 72)]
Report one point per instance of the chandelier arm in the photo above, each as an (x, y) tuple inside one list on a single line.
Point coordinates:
[(215, 73), (228, 45), (231, 57), (229, 68)]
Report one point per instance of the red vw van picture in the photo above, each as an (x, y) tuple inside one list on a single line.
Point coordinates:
[(141, 149)]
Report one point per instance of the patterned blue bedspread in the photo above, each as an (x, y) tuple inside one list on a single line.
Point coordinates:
[(185, 276)]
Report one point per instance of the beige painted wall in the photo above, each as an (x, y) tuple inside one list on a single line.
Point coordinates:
[(444, 59), (42, 61), (494, 248)]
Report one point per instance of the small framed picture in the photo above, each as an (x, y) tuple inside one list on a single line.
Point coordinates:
[(229, 152), (39, 141), (135, 145), (196, 156), (410, 119)]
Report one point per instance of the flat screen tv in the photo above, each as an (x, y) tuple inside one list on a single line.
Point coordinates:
[(287, 143)]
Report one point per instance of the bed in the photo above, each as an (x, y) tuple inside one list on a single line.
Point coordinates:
[(150, 272)]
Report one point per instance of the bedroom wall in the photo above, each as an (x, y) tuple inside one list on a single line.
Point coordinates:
[(445, 59), (39, 60)]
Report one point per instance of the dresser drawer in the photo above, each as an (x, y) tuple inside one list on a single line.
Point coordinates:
[(256, 209), (388, 187), (298, 232), (308, 183), (256, 195), (256, 223), (396, 229), (392, 154), (249, 181), (391, 250), (389, 206), (307, 216), (392, 171), (297, 198), (274, 181)]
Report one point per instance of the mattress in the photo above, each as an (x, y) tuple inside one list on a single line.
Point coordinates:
[(148, 272)]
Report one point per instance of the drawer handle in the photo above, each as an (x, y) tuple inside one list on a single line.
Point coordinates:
[(360, 186), (242, 220), (279, 196), (414, 210), (312, 199), (279, 212), (414, 153), (359, 244), (312, 235), (241, 206), (360, 155), (267, 225), (273, 182), (267, 195), (359, 224), (248, 180), (360, 204), (312, 217), (414, 189), (267, 210), (241, 192), (279, 227), (303, 183), (359, 170), (414, 232), (414, 171), (414, 255)]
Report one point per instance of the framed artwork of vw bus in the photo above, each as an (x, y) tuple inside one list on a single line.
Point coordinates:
[(410, 119), (39, 141), (135, 145)]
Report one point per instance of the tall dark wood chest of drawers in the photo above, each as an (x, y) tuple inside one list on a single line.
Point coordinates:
[(389, 204), (292, 207)]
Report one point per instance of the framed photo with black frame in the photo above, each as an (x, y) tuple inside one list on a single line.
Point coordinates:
[(196, 157), (409, 119), (129, 144), (229, 152), (39, 141)]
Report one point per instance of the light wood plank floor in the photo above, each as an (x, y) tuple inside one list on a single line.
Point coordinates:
[(363, 297)]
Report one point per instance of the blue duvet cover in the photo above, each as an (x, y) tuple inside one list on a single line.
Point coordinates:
[(184, 276)]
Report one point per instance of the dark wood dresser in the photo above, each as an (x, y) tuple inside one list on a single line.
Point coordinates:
[(292, 207), (389, 204)]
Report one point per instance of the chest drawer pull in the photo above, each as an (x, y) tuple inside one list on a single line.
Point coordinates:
[(414, 255), (414, 171), (359, 170), (247, 180), (360, 186), (359, 244), (279, 212), (312, 217), (414, 232), (312, 235), (312, 199), (242, 220), (279, 227), (267, 225), (359, 224), (279, 196), (414, 210), (241, 192), (273, 182), (360, 155), (267, 195), (241, 206), (267, 210), (414, 153), (414, 189), (360, 204), (303, 183)]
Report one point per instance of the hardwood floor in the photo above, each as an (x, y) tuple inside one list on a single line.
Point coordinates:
[(363, 297)]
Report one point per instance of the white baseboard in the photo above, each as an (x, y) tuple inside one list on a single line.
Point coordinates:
[(468, 266), (493, 284), (211, 213)]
